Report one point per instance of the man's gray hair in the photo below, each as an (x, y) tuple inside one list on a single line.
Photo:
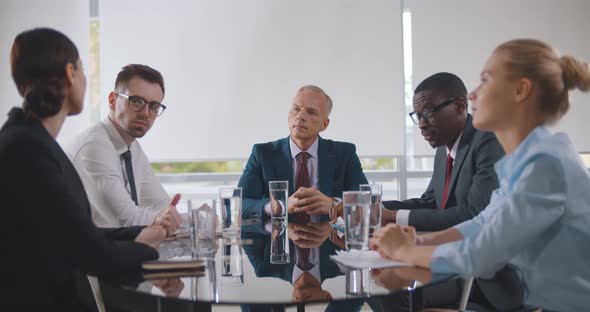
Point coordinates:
[(321, 91)]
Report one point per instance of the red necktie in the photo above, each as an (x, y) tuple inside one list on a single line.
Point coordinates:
[(302, 172), (303, 180), (302, 259), (447, 180)]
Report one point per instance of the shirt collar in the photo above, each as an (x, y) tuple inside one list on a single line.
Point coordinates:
[(314, 271), (120, 144), (312, 150), (506, 164), (453, 151)]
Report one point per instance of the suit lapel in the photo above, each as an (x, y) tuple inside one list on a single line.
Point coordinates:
[(284, 164), (462, 150), (326, 167)]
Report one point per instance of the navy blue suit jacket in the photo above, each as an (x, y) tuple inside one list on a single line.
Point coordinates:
[(339, 169)]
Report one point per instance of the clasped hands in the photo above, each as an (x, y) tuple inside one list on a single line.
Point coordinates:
[(311, 201), (165, 224), (393, 241), (310, 235), (171, 287)]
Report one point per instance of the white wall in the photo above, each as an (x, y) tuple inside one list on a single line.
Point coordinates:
[(458, 35), (68, 16), (232, 68)]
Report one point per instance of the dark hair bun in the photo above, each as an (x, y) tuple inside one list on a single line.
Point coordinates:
[(43, 100)]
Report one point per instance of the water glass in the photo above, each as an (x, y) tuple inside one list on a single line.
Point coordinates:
[(231, 210), (356, 219), (279, 196), (205, 287), (232, 268), (358, 282), (184, 209), (375, 208), (279, 243), (203, 228)]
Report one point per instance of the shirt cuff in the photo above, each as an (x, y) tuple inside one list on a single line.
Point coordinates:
[(267, 210), (441, 265), (331, 212), (467, 228), (268, 226), (440, 258), (402, 217)]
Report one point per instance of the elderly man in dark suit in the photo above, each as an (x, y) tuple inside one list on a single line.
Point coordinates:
[(463, 177), (318, 170)]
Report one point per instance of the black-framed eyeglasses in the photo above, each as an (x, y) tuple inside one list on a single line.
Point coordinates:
[(137, 103), (428, 113)]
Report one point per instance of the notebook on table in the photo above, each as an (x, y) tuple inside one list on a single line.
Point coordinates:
[(173, 268)]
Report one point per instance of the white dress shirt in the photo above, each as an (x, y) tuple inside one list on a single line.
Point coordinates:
[(403, 215), (96, 154)]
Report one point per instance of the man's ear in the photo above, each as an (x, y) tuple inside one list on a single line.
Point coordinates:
[(461, 104), (112, 100), (325, 125)]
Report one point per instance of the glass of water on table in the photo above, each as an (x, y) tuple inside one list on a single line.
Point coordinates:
[(279, 197), (356, 219), (231, 211), (375, 207)]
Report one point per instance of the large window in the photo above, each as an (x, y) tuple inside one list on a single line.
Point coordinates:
[(232, 68)]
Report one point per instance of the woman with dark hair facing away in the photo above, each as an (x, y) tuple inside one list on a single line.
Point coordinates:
[(538, 220), (47, 228)]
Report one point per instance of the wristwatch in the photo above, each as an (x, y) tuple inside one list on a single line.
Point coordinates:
[(332, 213)]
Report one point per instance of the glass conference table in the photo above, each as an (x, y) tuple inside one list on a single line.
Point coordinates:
[(239, 276)]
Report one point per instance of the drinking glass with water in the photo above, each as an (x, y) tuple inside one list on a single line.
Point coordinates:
[(279, 196), (231, 210), (279, 243), (203, 228), (232, 268), (356, 219), (358, 283), (375, 208)]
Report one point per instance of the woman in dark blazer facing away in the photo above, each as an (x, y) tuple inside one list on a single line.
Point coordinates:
[(48, 236)]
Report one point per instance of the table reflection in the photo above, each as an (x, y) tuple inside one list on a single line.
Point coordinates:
[(240, 272), (311, 244)]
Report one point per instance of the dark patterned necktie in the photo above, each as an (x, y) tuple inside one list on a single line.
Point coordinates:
[(302, 180), (129, 170)]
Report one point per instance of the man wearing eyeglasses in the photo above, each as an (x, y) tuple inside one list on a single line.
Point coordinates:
[(463, 177), (462, 183), (122, 187)]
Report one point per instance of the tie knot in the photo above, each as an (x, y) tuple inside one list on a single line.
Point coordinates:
[(449, 157), (126, 155), (302, 156)]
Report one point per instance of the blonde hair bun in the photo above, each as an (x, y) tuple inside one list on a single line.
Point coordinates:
[(576, 74)]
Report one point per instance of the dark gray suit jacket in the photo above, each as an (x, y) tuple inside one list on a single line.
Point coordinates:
[(472, 181)]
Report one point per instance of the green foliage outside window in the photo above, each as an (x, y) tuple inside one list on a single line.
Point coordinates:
[(236, 166)]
